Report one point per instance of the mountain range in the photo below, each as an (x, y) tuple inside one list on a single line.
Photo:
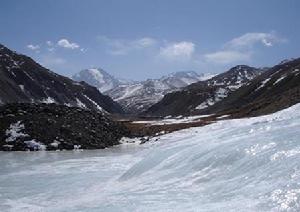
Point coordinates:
[(138, 96), (38, 105), (200, 96), (240, 91)]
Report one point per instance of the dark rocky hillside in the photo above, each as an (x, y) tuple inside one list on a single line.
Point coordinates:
[(197, 98), (274, 90), (24, 80), (50, 127)]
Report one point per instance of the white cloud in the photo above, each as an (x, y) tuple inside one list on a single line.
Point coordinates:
[(123, 47), (248, 40), (49, 43), (241, 49), (67, 44), (178, 51), (50, 46), (171, 51), (227, 56), (51, 49), (33, 47), (144, 42)]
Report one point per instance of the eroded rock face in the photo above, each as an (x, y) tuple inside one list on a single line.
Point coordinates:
[(51, 127)]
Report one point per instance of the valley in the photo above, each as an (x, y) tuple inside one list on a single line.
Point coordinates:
[(174, 102)]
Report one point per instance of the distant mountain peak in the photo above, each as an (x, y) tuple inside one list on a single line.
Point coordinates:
[(97, 77), (97, 73), (137, 96), (286, 61)]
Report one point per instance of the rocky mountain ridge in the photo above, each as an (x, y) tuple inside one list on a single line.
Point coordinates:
[(275, 89), (24, 80), (198, 97)]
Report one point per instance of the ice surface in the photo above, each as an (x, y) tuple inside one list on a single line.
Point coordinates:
[(232, 165)]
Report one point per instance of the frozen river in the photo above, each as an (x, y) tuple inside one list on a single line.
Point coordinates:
[(236, 165)]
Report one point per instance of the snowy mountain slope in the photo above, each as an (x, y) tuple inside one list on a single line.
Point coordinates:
[(98, 78), (137, 97), (275, 89), (199, 96), (244, 165), (24, 80)]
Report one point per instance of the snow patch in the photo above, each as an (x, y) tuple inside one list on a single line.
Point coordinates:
[(15, 131), (80, 104), (55, 144), (48, 100), (279, 79), (220, 94), (97, 106), (34, 145), (263, 83), (22, 87)]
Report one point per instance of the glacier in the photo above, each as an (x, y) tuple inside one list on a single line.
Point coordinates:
[(250, 164)]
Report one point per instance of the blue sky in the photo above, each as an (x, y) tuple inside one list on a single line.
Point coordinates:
[(140, 39)]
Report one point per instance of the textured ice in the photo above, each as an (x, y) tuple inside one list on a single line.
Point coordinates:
[(232, 165)]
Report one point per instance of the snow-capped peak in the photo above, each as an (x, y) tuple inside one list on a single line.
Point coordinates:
[(97, 74), (139, 96), (97, 77)]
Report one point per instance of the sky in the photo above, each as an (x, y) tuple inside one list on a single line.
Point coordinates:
[(139, 39)]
